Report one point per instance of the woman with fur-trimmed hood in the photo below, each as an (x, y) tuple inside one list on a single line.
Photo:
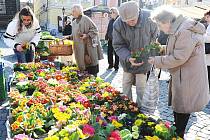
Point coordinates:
[(185, 60)]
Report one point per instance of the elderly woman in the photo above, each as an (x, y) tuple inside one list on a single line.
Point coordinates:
[(87, 48), (185, 61)]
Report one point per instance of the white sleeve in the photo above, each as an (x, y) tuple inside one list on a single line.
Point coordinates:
[(10, 35), (207, 35), (36, 38)]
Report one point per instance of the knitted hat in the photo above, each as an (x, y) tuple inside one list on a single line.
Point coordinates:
[(129, 10)]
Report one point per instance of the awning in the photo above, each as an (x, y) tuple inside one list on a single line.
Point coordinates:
[(196, 12), (98, 8)]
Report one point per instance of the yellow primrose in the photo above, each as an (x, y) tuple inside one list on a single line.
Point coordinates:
[(138, 122), (27, 115), (77, 105), (54, 137), (55, 110), (103, 85), (23, 102), (71, 128), (82, 88), (116, 124), (151, 138), (65, 138), (25, 124), (39, 122), (81, 135), (64, 133), (61, 116), (84, 121), (69, 111), (77, 122), (105, 94)]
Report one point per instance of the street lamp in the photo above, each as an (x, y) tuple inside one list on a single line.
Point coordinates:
[(63, 11)]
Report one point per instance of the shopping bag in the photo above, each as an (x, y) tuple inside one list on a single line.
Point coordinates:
[(151, 94)]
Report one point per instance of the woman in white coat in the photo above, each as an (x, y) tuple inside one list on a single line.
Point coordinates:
[(23, 34)]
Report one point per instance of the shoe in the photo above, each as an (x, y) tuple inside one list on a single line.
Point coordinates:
[(116, 69), (110, 67)]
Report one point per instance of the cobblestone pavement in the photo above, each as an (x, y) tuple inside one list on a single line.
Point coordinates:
[(197, 128), (199, 124)]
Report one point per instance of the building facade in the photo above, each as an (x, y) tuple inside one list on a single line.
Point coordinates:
[(51, 12), (8, 9)]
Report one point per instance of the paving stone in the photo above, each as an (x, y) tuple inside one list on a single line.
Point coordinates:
[(205, 131), (202, 135), (195, 128)]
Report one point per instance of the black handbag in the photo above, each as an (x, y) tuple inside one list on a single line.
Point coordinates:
[(207, 48)]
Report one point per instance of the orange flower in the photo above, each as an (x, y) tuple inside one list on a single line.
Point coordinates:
[(15, 126), (20, 118)]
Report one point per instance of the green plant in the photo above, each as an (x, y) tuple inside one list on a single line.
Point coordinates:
[(142, 54)]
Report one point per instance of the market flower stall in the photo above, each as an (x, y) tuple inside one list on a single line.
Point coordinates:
[(67, 104)]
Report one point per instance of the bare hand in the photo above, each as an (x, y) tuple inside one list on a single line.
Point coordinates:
[(19, 48), (69, 37), (83, 36), (132, 61), (151, 60)]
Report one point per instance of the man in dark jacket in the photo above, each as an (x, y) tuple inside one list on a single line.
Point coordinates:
[(114, 13), (132, 31), (67, 30)]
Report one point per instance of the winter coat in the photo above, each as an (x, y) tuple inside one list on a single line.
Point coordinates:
[(109, 31), (28, 35), (127, 39), (81, 47), (185, 59), (67, 29)]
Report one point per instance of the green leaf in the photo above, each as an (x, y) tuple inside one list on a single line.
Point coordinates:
[(35, 135), (39, 131), (126, 134), (74, 136), (50, 123), (97, 137)]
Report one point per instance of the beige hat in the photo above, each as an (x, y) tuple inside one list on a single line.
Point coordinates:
[(129, 10)]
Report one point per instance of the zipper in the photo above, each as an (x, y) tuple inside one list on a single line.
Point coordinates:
[(180, 74)]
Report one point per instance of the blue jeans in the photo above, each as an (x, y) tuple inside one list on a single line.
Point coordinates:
[(26, 56)]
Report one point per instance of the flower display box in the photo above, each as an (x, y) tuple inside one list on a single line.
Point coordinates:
[(69, 104)]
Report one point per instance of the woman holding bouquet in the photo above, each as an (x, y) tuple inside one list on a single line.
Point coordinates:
[(87, 48), (23, 34), (185, 60)]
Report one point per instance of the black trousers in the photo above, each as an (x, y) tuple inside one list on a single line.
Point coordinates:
[(181, 120), (93, 70), (208, 68), (110, 52)]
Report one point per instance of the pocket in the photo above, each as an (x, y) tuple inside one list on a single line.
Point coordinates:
[(87, 59)]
